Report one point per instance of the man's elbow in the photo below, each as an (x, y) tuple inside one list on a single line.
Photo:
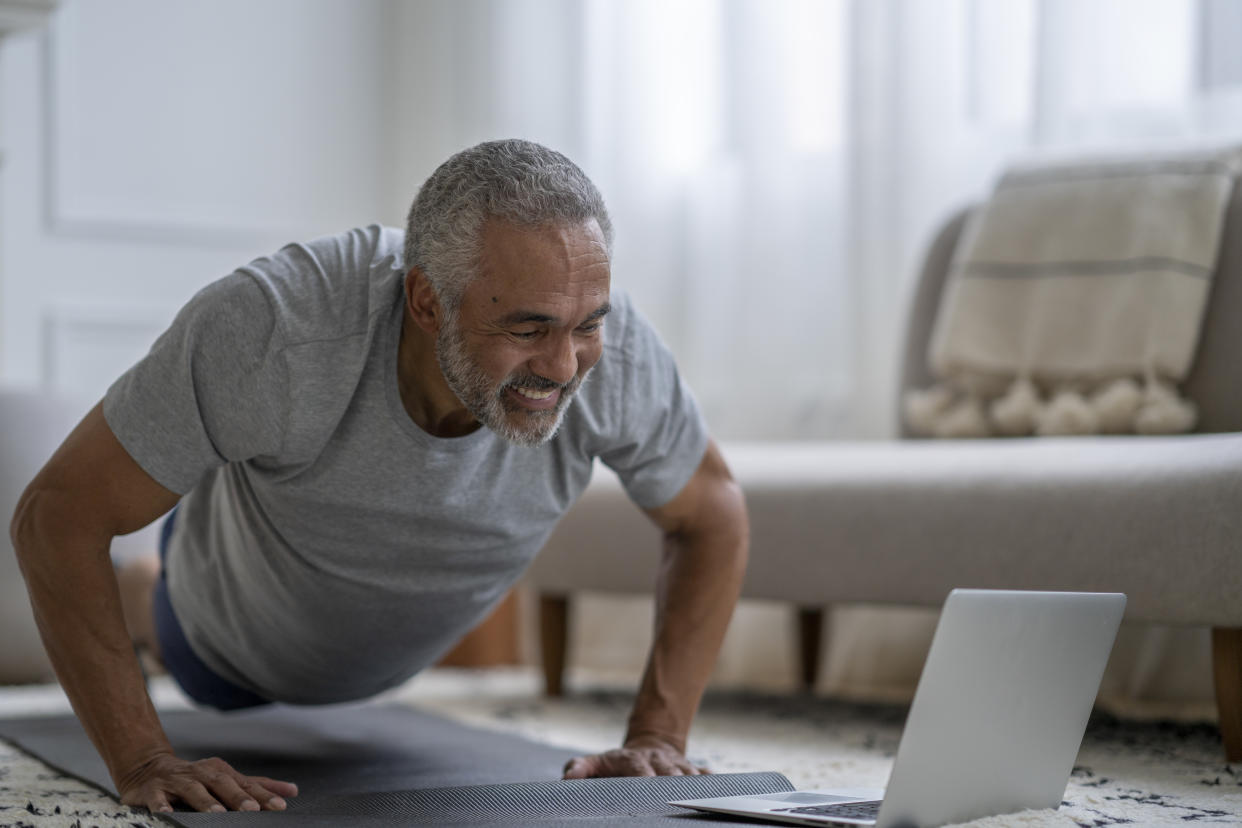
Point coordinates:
[(40, 514), (737, 521), (28, 523), (48, 521), (721, 527), (22, 520)]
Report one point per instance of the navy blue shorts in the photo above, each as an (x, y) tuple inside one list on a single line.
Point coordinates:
[(198, 680)]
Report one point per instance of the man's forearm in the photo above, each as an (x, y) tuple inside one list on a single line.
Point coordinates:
[(78, 610), (700, 578)]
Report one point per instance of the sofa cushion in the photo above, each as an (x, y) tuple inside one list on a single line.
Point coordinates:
[(904, 522)]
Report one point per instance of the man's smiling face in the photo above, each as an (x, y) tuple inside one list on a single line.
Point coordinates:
[(528, 328)]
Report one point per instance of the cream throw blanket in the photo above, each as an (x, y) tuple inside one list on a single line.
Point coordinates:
[(1075, 299)]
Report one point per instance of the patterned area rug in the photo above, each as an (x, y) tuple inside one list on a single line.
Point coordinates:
[(1127, 772)]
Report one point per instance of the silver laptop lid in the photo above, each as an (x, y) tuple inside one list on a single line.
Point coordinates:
[(1001, 705)]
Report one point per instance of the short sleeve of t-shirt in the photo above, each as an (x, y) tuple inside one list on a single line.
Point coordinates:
[(662, 434), (210, 391)]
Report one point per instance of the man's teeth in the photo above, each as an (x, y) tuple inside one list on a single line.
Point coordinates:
[(534, 395)]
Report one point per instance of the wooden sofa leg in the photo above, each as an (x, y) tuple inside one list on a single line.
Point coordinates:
[(1227, 667), (810, 634), (553, 634)]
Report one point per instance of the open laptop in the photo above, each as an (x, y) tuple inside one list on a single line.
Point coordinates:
[(996, 722)]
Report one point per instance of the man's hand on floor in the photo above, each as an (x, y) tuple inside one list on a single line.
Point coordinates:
[(205, 785), (639, 757)]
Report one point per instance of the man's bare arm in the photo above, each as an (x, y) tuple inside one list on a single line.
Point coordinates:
[(87, 494), (706, 540)]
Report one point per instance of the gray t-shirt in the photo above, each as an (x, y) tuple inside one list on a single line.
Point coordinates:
[(327, 548)]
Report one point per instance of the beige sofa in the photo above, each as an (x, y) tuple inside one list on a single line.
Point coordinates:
[(903, 522)]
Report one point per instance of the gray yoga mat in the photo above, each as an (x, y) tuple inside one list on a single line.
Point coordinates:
[(373, 765)]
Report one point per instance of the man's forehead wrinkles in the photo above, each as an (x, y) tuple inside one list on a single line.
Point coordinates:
[(587, 246), (576, 259), (519, 316), (584, 268), (538, 317), (519, 292), (566, 241)]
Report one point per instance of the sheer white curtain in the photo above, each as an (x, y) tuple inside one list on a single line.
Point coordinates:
[(775, 168), (716, 132)]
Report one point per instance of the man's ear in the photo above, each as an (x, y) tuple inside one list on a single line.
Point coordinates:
[(421, 301)]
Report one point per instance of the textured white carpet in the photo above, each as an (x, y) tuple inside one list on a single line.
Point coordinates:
[(1127, 773)]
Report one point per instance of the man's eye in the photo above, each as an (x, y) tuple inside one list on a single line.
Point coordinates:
[(590, 328), (524, 334)]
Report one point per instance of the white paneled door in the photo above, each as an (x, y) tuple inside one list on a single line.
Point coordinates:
[(149, 148)]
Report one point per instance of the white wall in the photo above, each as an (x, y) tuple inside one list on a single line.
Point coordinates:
[(150, 148)]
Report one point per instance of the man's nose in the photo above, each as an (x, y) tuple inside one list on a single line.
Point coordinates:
[(558, 361)]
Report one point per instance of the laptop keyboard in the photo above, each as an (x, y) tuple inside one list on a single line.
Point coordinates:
[(850, 810)]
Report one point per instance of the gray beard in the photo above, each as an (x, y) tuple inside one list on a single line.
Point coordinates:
[(487, 403)]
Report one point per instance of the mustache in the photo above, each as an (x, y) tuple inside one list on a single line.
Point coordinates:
[(537, 383)]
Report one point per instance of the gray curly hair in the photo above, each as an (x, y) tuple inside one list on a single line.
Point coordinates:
[(519, 181)]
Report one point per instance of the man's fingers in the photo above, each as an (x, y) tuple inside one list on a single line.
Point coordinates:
[(270, 793), (691, 769), (157, 803), (578, 769), (234, 793), (632, 762), (204, 785), (581, 767), (260, 794), (276, 786), (635, 763), (661, 766), (274, 803), (195, 795)]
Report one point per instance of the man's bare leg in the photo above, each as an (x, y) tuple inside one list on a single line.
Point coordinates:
[(136, 580)]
